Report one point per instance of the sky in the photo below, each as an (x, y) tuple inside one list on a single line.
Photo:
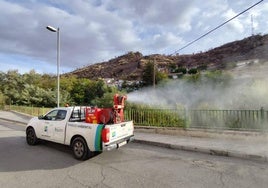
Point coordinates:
[(93, 31)]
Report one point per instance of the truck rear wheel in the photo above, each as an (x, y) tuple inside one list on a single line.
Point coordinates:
[(80, 149)]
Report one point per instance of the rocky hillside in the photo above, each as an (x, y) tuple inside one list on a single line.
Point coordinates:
[(124, 67), (130, 66)]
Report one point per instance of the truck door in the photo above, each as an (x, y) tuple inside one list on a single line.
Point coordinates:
[(59, 126), (53, 126), (45, 125)]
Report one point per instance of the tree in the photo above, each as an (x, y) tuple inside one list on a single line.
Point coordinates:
[(148, 74), (32, 77), (2, 100), (107, 99), (29, 95), (85, 91), (193, 71), (95, 89), (151, 74), (33, 95), (78, 91), (172, 67), (48, 81), (67, 83), (48, 98), (12, 86), (2, 81), (183, 70)]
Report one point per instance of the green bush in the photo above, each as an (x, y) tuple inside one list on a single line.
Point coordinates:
[(193, 71), (142, 115)]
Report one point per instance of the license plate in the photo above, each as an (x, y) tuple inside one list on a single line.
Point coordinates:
[(122, 143)]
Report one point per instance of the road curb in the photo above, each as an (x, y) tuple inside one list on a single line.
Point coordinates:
[(21, 114), (15, 121), (202, 133), (218, 152)]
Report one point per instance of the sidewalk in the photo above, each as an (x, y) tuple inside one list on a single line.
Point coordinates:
[(232, 145), (250, 148)]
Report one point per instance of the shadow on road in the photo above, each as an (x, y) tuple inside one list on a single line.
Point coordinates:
[(17, 155)]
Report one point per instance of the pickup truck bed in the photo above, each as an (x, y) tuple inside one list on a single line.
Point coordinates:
[(94, 134)]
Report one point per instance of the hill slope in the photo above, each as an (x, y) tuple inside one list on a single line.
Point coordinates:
[(130, 66)]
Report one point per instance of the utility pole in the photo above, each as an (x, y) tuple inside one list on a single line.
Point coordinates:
[(154, 73), (252, 25)]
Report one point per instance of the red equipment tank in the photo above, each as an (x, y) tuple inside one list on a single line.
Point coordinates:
[(93, 115), (106, 115)]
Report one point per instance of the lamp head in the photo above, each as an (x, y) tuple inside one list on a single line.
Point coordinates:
[(50, 28)]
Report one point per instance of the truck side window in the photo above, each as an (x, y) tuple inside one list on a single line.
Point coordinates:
[(61, 115), (78, 115)]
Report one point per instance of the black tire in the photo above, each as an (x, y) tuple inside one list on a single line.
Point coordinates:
[(80, 149), (31, 137)]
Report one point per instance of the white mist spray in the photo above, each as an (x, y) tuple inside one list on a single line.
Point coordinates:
[(239, 92)]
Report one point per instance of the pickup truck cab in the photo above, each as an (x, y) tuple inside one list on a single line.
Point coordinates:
[(67, 126)]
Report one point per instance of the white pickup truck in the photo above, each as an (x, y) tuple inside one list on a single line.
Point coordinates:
[(67, 126)]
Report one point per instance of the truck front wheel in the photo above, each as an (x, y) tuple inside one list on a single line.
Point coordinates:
[(31, 137), (80, 149)]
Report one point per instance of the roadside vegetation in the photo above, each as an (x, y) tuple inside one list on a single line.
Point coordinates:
[(34, 89)]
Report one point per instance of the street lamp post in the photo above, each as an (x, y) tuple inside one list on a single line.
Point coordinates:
[(50, 28)]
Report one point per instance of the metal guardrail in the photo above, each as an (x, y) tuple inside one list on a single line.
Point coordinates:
[(210, 119), (229, 119), (251, 120)]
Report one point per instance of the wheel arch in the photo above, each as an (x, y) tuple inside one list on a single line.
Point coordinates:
[(30, 127), (87, 154), (76, 136)]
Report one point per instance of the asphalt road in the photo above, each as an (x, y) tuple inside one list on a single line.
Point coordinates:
[(134, 165)]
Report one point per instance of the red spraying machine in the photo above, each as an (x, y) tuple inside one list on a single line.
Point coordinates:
[(107, 115)]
